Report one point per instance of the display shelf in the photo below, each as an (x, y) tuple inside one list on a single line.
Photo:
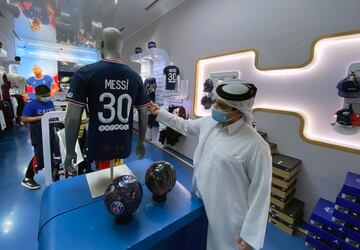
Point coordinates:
[(153, 62), (153, 54)]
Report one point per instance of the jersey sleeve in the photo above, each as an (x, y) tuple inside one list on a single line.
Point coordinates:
[(28, 110), (77, 93), (142, 99)]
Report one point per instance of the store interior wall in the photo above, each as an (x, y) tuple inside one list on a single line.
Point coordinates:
[(6, 33), (282, 32)]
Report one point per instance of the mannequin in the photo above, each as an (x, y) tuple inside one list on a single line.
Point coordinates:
[(110, 47)]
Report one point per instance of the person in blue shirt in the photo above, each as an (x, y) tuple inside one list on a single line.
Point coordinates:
[(40, 78), (33, 111)]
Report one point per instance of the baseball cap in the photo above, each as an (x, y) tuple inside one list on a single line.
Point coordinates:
[(151, 44), (344, 116), (349, 87), (207, 102), (138, 50), (208, 85)]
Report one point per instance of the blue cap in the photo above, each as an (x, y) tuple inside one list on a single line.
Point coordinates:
[(349, 87)]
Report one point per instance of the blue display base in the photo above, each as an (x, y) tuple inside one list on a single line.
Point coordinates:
[(71, 219)]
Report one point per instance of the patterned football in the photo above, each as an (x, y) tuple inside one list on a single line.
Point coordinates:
[(160, 179), (122, 197)]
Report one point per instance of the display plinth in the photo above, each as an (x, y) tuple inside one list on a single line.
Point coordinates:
[(71, 219)]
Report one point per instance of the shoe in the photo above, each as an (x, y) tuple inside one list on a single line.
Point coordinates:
[(30, 183)]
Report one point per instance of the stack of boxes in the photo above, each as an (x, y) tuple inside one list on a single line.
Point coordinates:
[(337, 226), (286, 212)]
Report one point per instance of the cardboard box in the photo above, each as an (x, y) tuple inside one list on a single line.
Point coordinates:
[(291, 213), (352, 184), (282, 192), (321, 217), (285, 166), (283, 182), (323, 236), (284, 227), (280, 202)]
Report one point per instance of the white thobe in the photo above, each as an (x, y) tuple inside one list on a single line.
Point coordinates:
[(232, 176)]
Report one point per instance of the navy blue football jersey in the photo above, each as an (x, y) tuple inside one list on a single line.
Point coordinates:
[(171, 73), (110, 89)]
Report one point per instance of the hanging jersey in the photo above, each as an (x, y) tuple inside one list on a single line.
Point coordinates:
[(110, 89), (171, 73)]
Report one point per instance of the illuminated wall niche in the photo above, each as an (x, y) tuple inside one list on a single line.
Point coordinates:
[(307, 91)]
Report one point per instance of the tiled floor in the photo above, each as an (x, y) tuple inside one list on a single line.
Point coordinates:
[(20, 207)]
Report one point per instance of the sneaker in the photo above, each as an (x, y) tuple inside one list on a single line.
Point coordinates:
[(30, 183)]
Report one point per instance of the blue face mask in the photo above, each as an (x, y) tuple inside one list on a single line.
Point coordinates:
[(44, 99), (219, 116)]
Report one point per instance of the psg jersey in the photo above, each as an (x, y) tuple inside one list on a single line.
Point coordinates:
[(171, 73), (110, 89)]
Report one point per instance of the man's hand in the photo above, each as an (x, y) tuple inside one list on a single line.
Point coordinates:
[(242, 245), (68, 164), (140, 151), (153, 109)]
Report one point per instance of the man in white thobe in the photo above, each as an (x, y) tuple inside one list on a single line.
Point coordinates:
[(232, 168)]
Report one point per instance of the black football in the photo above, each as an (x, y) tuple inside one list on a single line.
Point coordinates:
[(160, 179)]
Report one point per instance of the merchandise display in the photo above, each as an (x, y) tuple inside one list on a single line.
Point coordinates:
[(349, 87), (286, 212), (208, 85), (138, 50), (115, 89), (171, 74), (150, 86), (151, 44), (122, 197), (207, 125), (169, 135), (208, 100), (346, 117), (285, 166), (160, 179), (291, 214), (337, 225), (321, 230)]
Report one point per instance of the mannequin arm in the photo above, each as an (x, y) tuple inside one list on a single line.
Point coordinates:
[(72, 125), (143, 123)]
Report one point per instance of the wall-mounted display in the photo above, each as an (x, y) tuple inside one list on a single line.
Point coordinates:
[(296, 88)]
